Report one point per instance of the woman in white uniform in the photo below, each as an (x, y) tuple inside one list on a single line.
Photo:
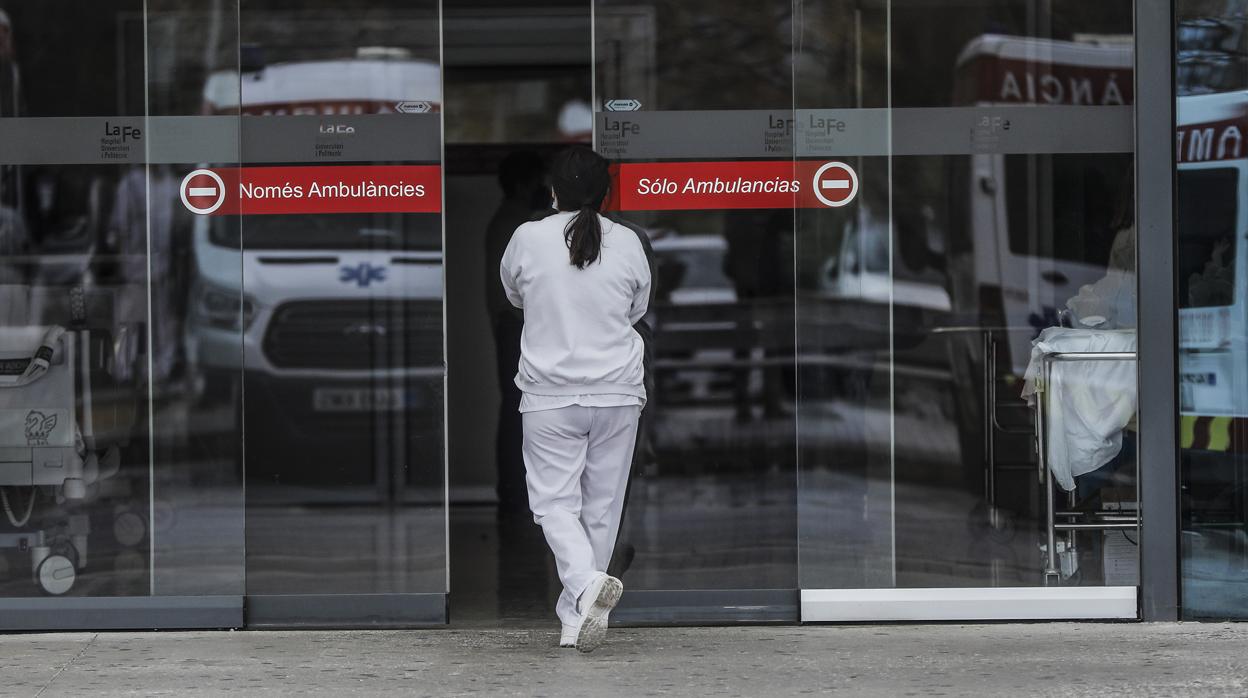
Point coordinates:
[(582, 282)]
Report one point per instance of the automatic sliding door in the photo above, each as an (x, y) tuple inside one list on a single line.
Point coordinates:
[(992, 242), (694, 104), (1212, 188), (120, 478), (845, 315), (342, 273)]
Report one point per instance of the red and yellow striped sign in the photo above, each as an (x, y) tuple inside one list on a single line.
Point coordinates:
[(1213, 433)]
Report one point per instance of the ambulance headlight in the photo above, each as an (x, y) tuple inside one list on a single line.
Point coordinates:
[(224, 309)]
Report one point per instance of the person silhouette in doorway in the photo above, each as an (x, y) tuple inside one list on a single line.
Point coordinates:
[(522, 176)]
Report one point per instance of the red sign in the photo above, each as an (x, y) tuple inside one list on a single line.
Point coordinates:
[(668, 186), (326, 107), (314, 189), (1211, 141), (203, 192), (1012, 81)]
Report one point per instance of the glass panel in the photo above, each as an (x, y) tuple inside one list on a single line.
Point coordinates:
[(120, 461), (197, 513), (1213, 363), (693, 102), (994, 225), (342, 264), (845, 290)]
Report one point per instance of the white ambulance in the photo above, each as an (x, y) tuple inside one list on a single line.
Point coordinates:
[(1212, 271), (1213, 312), (1039, 224), (341, 314)]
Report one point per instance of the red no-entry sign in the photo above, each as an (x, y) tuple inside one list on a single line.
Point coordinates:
[(202, 192), (746, 184), (313, 189), (835, 184)]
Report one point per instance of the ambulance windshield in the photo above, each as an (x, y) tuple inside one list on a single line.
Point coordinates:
[(346, 231), (1074, 219), (1208, 207)]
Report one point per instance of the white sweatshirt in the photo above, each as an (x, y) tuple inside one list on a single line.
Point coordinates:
[(578, 334)]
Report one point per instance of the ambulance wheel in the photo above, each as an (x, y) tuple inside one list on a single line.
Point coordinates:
[(56, 575)]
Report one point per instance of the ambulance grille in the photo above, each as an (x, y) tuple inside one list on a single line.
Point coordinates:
[(355, 335)]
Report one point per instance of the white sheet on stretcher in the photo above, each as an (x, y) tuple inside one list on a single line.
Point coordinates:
[(1090, 402)]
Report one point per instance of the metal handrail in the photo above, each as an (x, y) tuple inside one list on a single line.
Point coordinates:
[(991, 423)]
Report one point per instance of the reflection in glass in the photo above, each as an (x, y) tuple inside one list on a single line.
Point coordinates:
[(712, 500), (1210, 229), (342, 312), (975, 247), (117, 478)]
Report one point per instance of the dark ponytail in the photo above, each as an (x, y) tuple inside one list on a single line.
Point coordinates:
[(581, 179)]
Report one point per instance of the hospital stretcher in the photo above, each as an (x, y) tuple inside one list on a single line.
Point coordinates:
[(1071, 520), (1002, 421), (63, 420)]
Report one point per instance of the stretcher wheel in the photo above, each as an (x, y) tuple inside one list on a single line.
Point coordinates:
[(129, 528), (56, 574), (67, 550), (1005, 529)]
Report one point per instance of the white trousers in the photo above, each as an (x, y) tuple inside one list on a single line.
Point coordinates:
[(577, 461)]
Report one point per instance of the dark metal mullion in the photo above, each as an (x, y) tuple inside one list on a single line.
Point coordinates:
[(1155, 252), (120, 613), (347, 611)]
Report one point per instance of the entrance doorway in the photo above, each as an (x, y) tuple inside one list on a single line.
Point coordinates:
[(269, 377), (518, 86)]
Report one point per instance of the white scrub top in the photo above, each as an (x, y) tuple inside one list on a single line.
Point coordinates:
[(536, 403)]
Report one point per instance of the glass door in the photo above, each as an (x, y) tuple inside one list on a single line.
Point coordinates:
[(693, 101), (896, 306), (965, 324), (342, 276), (1211, 186), (120, 459)]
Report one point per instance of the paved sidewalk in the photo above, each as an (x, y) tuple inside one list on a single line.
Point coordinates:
[(930, 660)]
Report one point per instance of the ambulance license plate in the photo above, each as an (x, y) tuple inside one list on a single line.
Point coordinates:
[(360, 399)]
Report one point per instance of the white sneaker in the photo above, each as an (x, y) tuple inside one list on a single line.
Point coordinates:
[(595, 606), (567, 638)]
